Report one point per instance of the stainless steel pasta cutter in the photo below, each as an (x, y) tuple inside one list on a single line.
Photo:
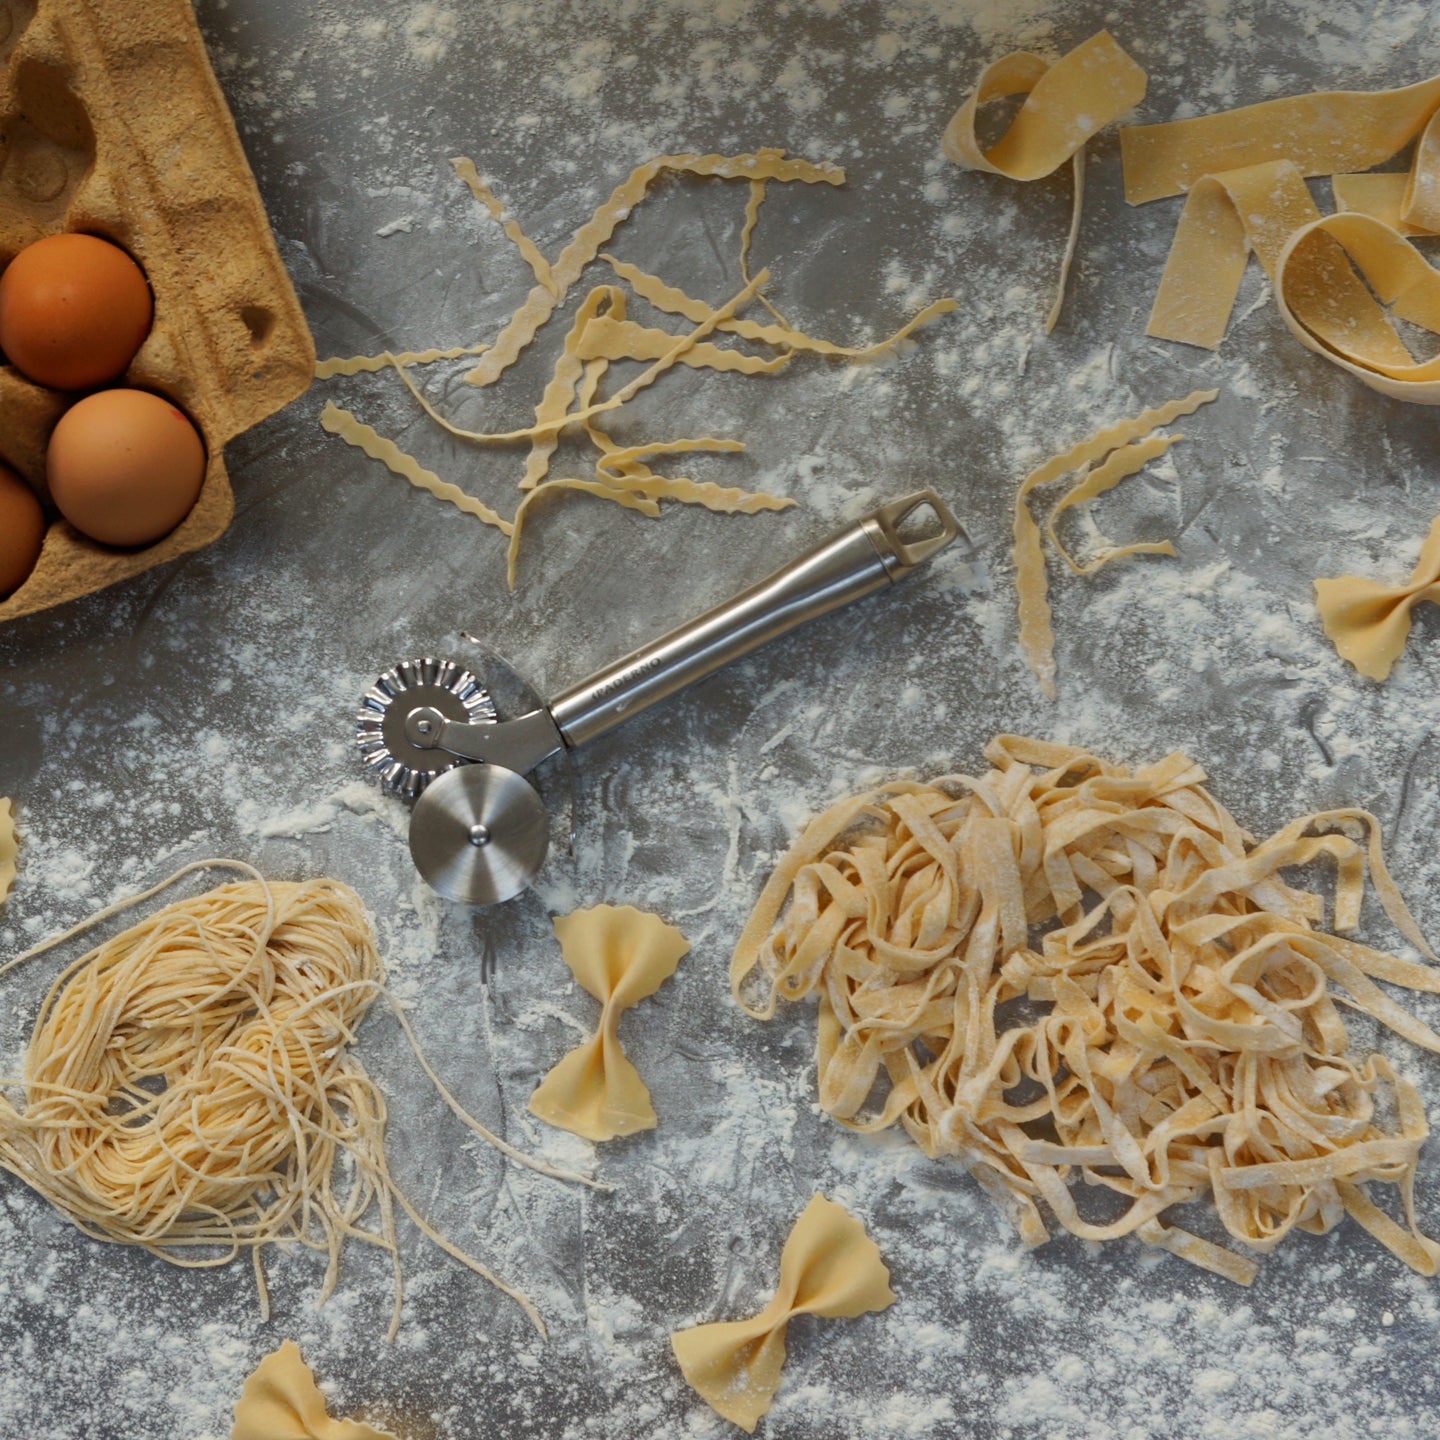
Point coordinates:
[(428, 728)]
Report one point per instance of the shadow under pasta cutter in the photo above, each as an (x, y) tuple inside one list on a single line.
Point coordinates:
[(429, 730)]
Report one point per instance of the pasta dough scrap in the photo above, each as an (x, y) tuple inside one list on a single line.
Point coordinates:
[(620, 955), (829, 1266), (281, 1401), (9, 848), (1066, 103), (1190, 1041), (1369, 622), (1037, 635)]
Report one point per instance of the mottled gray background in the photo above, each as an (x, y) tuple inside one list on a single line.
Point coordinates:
[(204, 708)]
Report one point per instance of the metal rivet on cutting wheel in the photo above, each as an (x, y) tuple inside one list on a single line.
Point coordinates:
[(479, 834)]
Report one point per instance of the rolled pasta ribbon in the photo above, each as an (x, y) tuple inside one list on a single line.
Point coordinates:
[(1066, 103), (1369, 622), (281, 1401), (620, 955), (829, 1267), (1345, 324)]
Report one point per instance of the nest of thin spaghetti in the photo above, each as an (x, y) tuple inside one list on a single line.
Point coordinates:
[(189, 1085), (1178, 1033)]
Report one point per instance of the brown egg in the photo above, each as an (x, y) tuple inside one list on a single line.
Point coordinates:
[(22, 531), (125, 466), (73, 311)]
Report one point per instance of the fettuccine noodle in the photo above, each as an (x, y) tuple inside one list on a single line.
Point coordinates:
[(1063, 969)]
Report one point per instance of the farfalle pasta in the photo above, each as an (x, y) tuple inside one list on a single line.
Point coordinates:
[(1369, 622), (281, 1401), (829, 1267), (620, 955), (1189, 1040)]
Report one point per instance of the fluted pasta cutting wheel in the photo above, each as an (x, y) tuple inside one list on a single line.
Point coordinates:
[(403, 767)]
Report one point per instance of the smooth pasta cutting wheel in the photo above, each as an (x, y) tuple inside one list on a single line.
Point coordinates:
[(429, 731)]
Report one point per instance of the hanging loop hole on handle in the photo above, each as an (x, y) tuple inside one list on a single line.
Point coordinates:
[(908, 531)]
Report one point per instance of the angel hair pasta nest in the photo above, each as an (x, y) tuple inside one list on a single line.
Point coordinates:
[(1177, 1032)]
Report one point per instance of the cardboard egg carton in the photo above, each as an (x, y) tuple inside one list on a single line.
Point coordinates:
[(111, 122)]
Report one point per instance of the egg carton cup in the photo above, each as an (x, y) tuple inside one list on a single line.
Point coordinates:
[(111, 123)]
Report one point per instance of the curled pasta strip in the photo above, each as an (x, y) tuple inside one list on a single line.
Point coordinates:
[(1066, 103), (1343, 325), (1184, 1036)]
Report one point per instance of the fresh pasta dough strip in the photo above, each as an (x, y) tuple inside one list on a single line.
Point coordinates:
[(1066, 103), (642, 503), (1380, 195), (1367, 622), (676, 302), (1192, 1044), (1323, 134), (529, 252), (378, 447), (569, 370), (9, 848), (371, 364), (1120, 465), (712, 321), (587, 242), (1338, 325), (829, 1266), (1037, 636), (1257, 209), (618, 339)]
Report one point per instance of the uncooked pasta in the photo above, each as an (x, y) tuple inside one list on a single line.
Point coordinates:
[(1063, 970), (189, 1085)]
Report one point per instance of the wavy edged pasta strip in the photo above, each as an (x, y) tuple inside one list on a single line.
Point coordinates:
[(9, 848), (1189, 1040), (675, 301), (1037, 635), (624, 498), (370, 364), (829, 1266), (1066, 103), (1367, 622), (388, 453), (529, 251), (596, 232)]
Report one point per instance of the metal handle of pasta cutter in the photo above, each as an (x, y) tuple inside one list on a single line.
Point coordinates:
[(863, 557)]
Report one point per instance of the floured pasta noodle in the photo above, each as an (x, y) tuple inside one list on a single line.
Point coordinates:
[(281, 1401), (9, 848), (1369, 622), (189, 1085), (620, 955), (1066, 103), (600, 336), (1176, 1030), (1107, 457), (1244, 170), (829, 1267)]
